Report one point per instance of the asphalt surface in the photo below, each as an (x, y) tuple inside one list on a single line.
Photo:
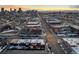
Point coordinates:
[(24, 52), (51, 38)]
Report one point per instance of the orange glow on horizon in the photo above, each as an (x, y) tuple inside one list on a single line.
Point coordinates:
[(26, 7)]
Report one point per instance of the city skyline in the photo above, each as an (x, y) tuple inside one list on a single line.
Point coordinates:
[(41, 7)]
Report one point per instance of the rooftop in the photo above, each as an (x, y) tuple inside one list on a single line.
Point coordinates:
[(74, 43)]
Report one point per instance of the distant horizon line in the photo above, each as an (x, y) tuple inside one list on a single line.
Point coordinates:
[(40, 10), (40, 7)]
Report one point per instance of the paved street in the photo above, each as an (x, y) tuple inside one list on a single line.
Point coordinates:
[(24, 52), (51, 38)]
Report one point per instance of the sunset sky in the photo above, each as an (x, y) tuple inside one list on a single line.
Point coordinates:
[(41, 7)]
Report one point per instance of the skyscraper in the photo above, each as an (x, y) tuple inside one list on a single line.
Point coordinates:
[(10, 9), (19, 10), (2, 9)]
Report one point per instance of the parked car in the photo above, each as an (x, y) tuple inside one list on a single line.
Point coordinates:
[(61, 35)]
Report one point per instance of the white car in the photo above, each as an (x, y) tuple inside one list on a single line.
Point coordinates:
[(61, 35)]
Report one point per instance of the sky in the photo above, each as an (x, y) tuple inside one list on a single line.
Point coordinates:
[(42, 7)]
